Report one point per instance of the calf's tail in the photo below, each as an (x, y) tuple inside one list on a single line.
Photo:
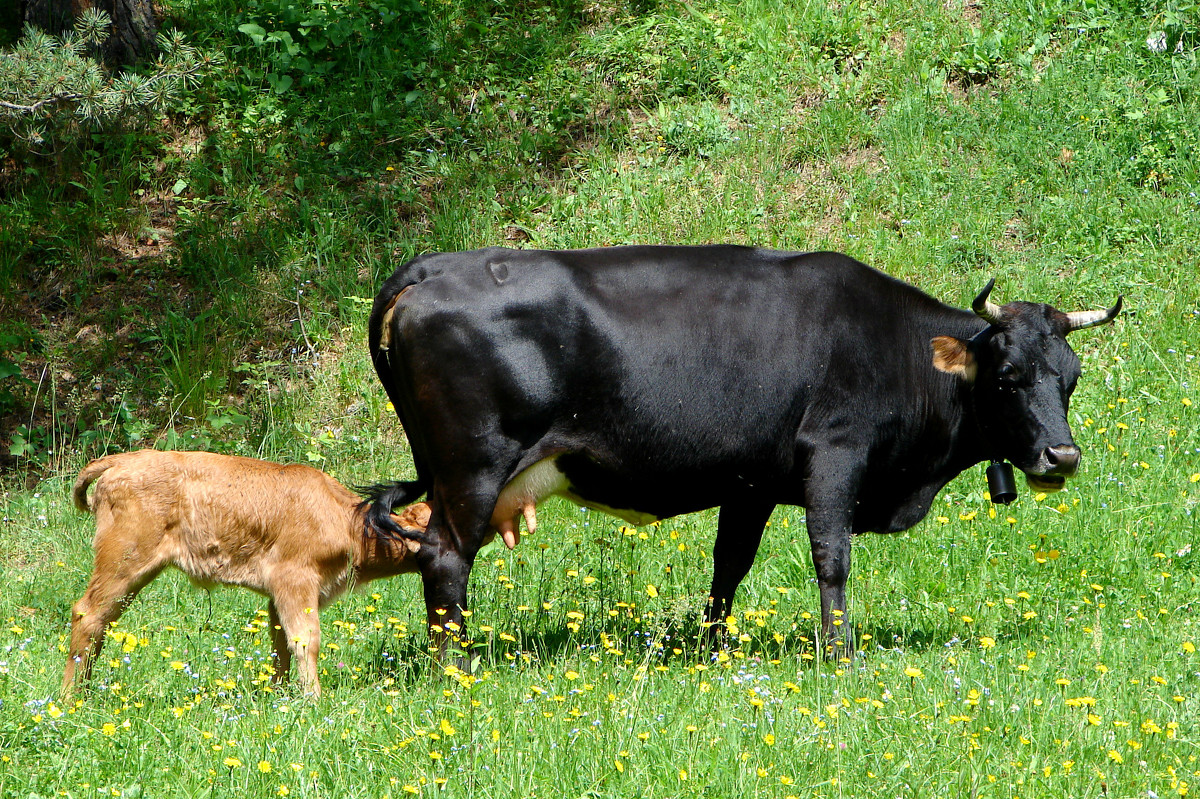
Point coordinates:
[(88, 476)]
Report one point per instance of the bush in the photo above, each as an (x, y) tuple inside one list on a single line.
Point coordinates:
[(51, 88)]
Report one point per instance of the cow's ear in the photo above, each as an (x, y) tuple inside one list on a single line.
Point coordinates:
[(953, 356)]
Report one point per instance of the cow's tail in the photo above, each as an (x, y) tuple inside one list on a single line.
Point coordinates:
[(381, 499), (379, 503), (89, 475)]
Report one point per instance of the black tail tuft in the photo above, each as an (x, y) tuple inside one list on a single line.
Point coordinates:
[(380, 499)]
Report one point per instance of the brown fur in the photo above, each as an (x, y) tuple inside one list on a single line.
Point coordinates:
[(290, 532)]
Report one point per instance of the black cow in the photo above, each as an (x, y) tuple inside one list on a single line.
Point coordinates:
[(653, 381)]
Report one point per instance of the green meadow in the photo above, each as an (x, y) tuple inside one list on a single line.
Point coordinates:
[(202, 281)]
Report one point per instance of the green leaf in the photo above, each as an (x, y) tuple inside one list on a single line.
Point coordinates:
[(255, 32), (280, 83)]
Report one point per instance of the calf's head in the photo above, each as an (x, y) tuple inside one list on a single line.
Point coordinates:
[(1022, 372)]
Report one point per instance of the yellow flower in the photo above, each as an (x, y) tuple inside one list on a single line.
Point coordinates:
[(683, 775), (1189, 647), (446, 728), (232, 762), (987, 642), (913, 672), (769, 739), (651, 591), (264, 767), (620, 766), (109, 729)]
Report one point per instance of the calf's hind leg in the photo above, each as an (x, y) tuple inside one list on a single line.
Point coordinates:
[(117, 578)]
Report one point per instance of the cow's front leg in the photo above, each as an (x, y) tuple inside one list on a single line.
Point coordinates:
[(739, 532), (829, 534)]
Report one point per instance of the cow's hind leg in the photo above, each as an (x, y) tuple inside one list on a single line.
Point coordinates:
[(739, 532), (459, 528), (117, 578)]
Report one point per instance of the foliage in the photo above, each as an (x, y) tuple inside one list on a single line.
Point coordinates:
[(52, 88)]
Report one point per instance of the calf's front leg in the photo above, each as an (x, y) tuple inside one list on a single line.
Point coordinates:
[(299, 616)]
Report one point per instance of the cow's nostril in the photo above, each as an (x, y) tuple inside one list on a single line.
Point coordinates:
[(1063, 458)]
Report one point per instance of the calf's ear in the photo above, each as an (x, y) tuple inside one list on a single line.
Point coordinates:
[(953, 356)]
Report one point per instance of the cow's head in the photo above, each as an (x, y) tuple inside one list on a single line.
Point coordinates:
[(1022, 372)]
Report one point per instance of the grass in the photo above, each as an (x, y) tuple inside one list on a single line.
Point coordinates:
[(200, 285)]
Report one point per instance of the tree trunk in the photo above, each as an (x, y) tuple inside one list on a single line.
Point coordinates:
[(133, 28)]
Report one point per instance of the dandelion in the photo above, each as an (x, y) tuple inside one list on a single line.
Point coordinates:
[(914, 673), (620, 766), (987, 642), (264, 767), (651, 591), (232, 762), (683, 775)]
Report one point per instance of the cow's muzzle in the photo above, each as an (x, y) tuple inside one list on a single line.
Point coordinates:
[(1054, 465)]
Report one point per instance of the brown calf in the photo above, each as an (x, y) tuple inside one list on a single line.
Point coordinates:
[(290, 532)]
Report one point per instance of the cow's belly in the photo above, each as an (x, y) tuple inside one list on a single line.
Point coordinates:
[(545, 479), (638, 496)]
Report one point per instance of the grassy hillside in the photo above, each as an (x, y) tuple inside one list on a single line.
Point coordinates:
[(202, 283)]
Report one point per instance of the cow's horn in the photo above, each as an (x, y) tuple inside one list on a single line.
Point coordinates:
[(1078, 320), (988, 311)]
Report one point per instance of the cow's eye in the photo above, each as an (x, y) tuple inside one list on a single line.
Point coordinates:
[(1007, 372)]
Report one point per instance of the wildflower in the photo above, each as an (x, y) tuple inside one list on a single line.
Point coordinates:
[(683, 775), (620, 766), (651, 591), (264, 767), (987, 642), (769, 739), (914, 673), (1189, 647), (232, 762)]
